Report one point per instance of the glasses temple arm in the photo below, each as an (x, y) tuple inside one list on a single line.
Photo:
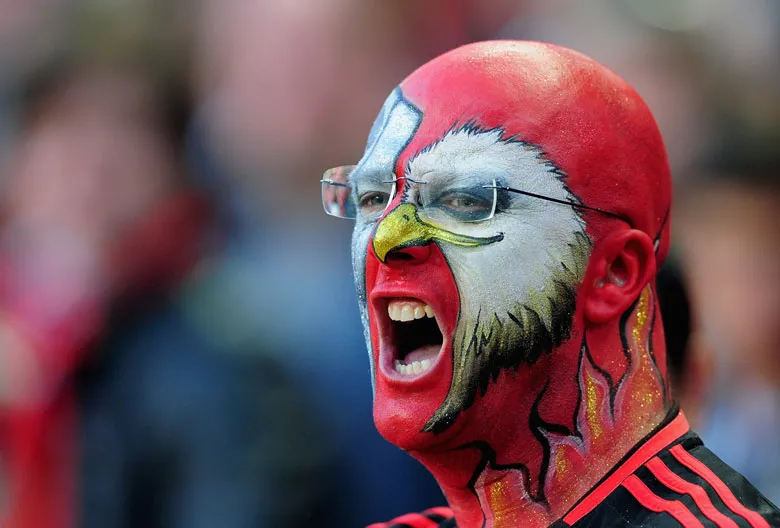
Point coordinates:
[(571, 204), (331, 182)]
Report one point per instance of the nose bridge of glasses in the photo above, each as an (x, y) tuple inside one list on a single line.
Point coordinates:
[(444, 197), (405, 190)]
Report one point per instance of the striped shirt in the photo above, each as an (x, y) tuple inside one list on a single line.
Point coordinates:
[(669, 480)]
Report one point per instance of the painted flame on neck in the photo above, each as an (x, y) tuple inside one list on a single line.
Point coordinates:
[(610, 419)]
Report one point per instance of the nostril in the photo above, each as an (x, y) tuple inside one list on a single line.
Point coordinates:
[(408, 255), (398, 256)]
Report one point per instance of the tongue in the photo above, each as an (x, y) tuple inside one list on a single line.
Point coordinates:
[(424, 352)]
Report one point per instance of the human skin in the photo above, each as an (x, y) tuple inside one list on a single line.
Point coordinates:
[(550, 363)]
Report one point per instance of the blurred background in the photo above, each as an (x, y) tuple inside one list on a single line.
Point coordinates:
[(179, 341)]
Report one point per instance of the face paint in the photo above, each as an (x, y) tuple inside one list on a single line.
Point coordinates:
[(507, 319), (392, 131), (502, 322), (481, 363)]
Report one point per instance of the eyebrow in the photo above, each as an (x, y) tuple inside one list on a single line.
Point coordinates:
[(362, 174), (498, 175)]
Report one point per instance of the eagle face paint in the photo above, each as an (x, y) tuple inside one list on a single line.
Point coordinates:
[(482, 364), (488, 321)]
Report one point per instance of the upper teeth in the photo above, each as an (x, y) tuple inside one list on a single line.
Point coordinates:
[(408, 310)]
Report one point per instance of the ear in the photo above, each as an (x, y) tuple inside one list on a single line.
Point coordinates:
[(621, 265)]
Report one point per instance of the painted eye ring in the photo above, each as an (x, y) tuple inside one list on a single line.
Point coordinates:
[(462, 204)]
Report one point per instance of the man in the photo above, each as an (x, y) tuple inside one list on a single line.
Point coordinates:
[(512, 208)]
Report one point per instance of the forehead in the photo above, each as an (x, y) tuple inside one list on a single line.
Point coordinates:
[(393, 130), (402, 140), (485, 88)]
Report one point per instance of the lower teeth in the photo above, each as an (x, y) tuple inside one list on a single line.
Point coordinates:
[(414, 367)]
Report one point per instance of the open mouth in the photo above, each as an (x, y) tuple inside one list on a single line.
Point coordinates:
[(413, 336)]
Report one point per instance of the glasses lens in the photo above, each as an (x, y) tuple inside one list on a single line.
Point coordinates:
[(449, 200), (372, 196), (336, 192)]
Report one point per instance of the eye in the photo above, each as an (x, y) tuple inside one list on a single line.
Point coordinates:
[(448, 200), (466, 205), (373, 202)]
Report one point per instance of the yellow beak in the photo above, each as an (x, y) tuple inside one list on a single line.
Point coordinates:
[(402, 228)]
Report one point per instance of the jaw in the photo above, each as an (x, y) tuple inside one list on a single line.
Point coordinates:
[(412, 352)]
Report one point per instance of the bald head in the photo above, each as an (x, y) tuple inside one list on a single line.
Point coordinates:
[(589, 123)]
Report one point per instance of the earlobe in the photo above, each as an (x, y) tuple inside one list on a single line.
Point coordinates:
[(621, 266)]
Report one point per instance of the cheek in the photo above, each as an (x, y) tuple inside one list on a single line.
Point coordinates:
[(520, 269), (360, 248), (495, 275), (360, 239)]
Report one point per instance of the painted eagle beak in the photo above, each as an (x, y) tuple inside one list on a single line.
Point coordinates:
[(402, 228)]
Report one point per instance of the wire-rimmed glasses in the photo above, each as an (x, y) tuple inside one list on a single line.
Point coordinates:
[(443, 199)]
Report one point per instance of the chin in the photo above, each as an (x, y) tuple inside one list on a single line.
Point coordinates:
[(405, 401), (401, 426), (400, 421)]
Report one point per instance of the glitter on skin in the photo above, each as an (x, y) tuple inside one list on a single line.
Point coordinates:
[(593, 409), (503, 500), (641, 318), (648, 396), (562, 464), (637, 402), (502, 504)]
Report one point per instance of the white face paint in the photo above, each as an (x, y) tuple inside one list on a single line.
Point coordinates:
[(538, 234), (517, 295), (393, 129)]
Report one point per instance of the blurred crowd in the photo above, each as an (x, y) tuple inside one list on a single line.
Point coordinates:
[(179, 341)]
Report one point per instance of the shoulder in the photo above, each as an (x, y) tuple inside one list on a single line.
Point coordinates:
[(684, 485), (433, 517)]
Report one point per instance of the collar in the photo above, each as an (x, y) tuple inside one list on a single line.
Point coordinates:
[(669, 431)]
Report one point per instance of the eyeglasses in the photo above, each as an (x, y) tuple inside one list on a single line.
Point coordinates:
[(444, 199)]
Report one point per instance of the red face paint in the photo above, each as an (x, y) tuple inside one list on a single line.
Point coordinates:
[(403, 403)]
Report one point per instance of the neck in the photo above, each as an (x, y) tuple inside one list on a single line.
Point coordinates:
[(578, 412)]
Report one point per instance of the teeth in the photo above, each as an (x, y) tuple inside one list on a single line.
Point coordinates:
[(415, 367), (408, 310)]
